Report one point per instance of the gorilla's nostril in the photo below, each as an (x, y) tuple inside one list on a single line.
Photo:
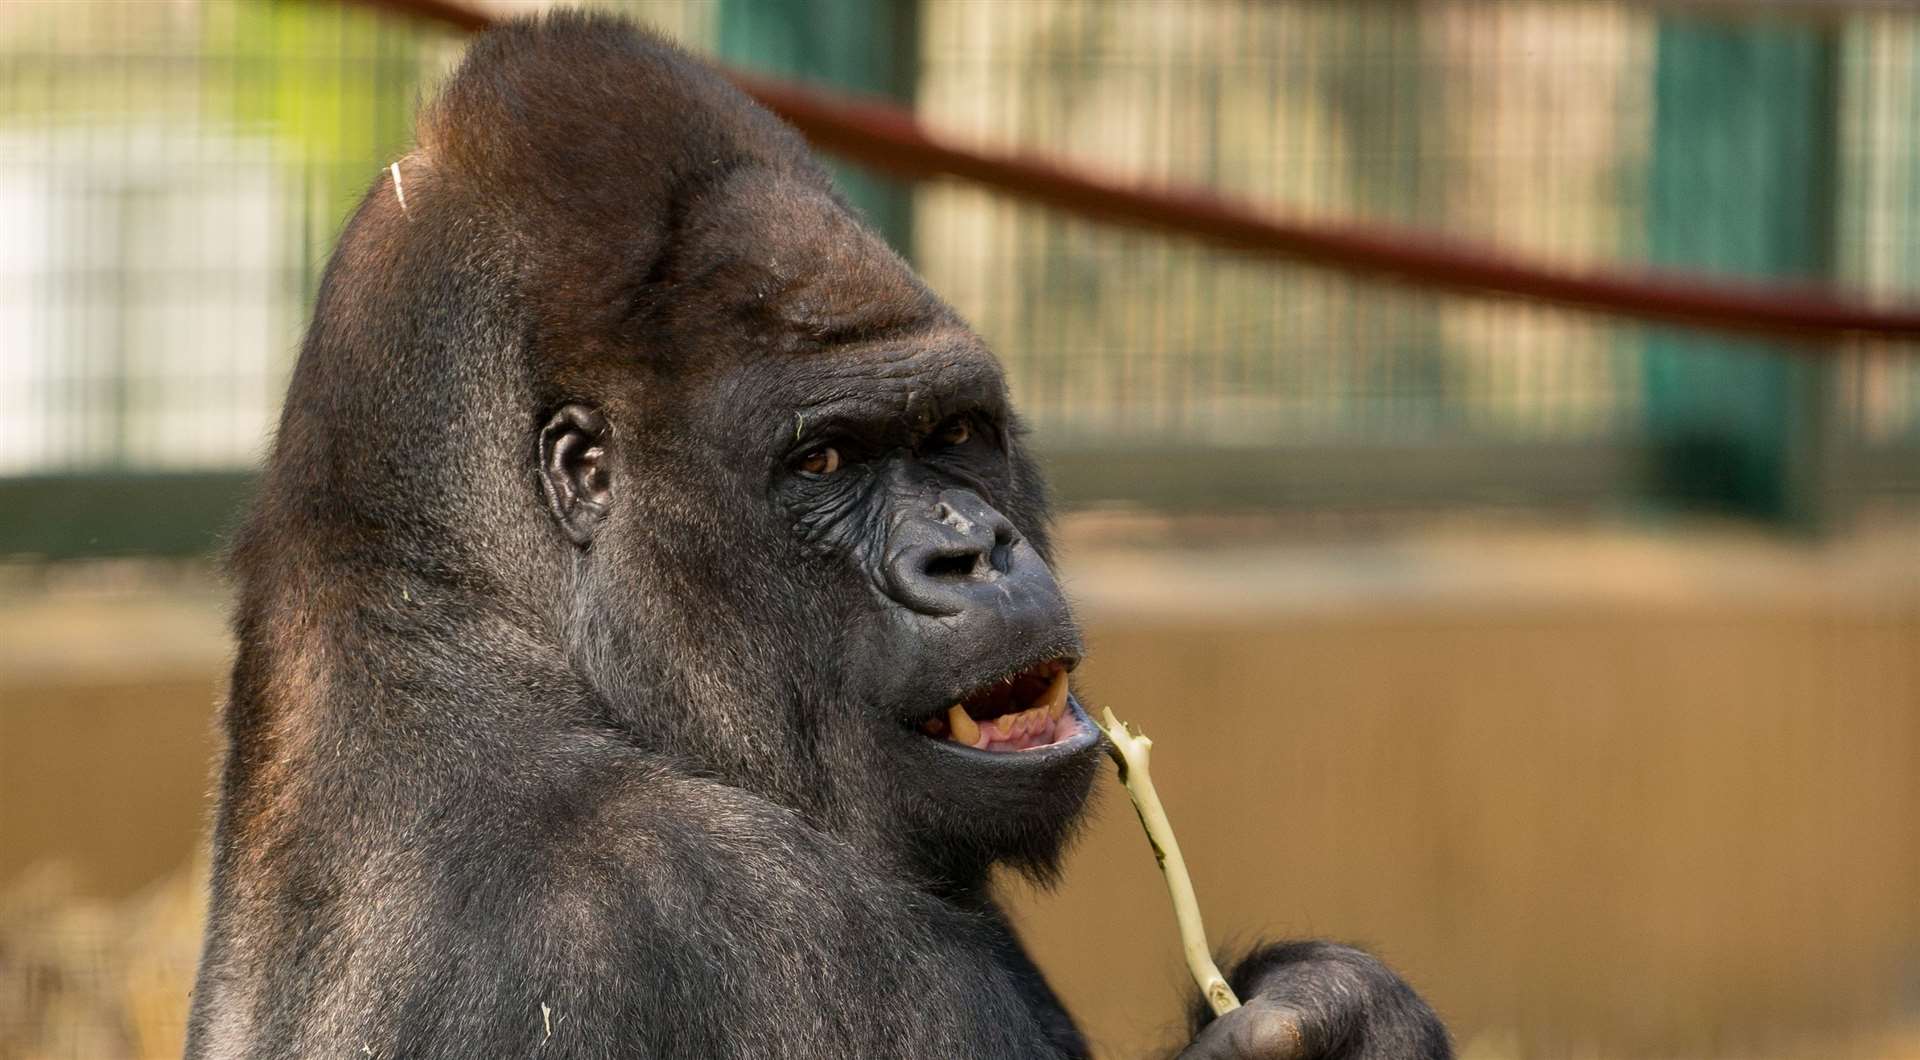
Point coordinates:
[(1002, 557), (953, 565), (1004, 540)]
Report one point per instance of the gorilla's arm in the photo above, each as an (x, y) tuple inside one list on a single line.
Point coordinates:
[(684, 918)]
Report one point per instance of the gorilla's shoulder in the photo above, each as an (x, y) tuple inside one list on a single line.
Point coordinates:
[(653, 834), (653, 797)]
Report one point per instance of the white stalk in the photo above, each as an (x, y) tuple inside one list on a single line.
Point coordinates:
[(1129, 749)]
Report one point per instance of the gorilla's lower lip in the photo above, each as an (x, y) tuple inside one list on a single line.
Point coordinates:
[(1027, 710)]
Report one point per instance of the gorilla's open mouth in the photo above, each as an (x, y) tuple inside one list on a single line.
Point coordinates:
[(1023, 711)]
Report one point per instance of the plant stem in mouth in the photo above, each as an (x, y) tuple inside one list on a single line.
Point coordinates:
[(1129, 751)]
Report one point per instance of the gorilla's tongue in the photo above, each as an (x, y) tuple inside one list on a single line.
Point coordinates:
[(1005, 719)]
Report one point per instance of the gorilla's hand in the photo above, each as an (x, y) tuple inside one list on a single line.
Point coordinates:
[(1321, 1001)]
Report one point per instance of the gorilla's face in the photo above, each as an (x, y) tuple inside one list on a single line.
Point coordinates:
[(813, 553)]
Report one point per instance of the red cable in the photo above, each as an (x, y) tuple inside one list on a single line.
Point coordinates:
[(888, 138)]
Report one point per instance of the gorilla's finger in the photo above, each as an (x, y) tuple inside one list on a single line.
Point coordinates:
[(1258, 1030)]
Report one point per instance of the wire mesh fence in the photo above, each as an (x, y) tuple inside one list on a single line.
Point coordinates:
[(1528, 125), (1436, 116), (171, 175)]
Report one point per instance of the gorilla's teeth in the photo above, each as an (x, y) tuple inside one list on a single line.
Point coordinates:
[(961, 728), (1054, 700)]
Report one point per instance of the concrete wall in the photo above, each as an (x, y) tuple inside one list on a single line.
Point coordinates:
[(1633, 795)]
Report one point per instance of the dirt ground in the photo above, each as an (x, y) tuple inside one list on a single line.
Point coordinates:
[(1620, 793)]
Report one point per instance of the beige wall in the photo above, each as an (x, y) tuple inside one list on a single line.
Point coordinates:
[(1647, 794)]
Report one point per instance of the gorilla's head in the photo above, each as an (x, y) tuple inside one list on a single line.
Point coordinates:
[(609, 357)]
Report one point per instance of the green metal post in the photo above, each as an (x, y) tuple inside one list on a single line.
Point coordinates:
[(1392, 113), (1743, 181), (870, 47)]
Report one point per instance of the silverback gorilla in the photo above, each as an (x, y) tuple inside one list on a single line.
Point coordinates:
[(647, 644)]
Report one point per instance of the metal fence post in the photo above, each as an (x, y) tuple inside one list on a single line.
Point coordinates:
[(1743, 181), (863, 46)]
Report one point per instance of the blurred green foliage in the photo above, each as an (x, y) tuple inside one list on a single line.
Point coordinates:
[(333, 84)]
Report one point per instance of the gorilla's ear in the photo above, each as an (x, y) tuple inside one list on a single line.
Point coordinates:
[(573, 472)]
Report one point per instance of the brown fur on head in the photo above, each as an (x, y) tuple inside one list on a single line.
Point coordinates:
[(583, 153)]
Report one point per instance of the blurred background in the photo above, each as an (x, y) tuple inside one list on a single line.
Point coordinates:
[(1571, 662)]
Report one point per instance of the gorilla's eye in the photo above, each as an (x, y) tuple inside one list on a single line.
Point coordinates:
[(955, 431), (822, 461)]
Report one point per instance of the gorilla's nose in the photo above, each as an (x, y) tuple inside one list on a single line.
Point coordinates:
[(962, 554)]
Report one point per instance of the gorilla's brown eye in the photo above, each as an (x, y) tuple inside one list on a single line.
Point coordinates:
[(956, 432), (822, 461)]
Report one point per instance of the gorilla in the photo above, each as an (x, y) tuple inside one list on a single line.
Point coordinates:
[(646, 639)]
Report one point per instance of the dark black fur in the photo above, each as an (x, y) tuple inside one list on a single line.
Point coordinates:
[(574, 716)]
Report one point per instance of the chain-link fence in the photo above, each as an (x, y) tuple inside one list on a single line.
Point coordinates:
[(172, 175)]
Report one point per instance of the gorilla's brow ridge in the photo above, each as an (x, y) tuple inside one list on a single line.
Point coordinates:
[(894, 390)]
